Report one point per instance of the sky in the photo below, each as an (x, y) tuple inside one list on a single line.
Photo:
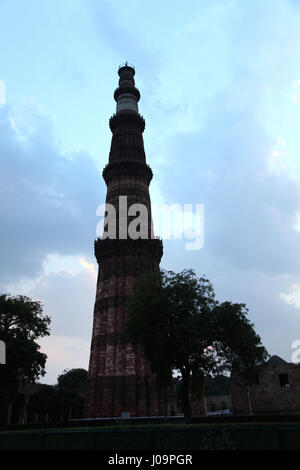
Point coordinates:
[(220, 93)]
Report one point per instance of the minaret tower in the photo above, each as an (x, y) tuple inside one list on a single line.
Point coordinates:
[(119, 380)]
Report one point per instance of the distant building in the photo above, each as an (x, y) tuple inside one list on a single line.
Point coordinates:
[(276, 390)]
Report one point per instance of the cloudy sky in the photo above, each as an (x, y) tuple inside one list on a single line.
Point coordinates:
[(220, 86)]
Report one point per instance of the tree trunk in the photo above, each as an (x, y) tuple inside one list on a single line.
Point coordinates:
[(187, 410), (249, 400), (26, 409), (9, 413)]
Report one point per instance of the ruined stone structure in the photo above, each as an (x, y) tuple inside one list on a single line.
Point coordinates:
[(218, 403), (276, 391), (119, 380)]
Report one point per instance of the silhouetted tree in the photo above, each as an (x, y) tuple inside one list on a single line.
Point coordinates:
[(22, 322), (218, 385), (179, 325), (74, 379), (60, 402), (71, 385)]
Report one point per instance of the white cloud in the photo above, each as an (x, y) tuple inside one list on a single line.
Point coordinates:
[(70, 264), (293, 296), (63, 352), (67, 296), (90, 267), (48, 202)]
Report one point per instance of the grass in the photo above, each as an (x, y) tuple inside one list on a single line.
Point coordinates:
[(149, 427)]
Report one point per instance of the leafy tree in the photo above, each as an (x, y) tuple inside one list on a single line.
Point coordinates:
[(45, 403), (21, 323), (74, 379), (218, 385), (71, 386), (60, 402), (176, 321)]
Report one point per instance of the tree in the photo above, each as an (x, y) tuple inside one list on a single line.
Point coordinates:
[(74, 379), (22, 322), (71, 385), (217, 385), (60, 402), (45, 404), (176, 321)]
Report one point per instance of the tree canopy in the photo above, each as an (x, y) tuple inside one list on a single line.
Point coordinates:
[(177, 322), (74, 379), (217, 385), (22, 322), (62, 401)]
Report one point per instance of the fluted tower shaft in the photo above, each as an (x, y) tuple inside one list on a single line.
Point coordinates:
[(119, 380)]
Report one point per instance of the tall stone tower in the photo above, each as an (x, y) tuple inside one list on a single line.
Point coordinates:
[(119, 380)]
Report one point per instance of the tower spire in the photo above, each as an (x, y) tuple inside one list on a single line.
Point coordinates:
[(126, 95)]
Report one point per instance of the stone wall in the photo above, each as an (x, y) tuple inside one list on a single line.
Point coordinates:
[(218, 402), (276, 391)]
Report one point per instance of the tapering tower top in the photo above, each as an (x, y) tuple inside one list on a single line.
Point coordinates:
[(126, 95), (126, 73)]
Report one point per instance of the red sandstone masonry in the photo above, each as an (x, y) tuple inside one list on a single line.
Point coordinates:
[(120, 380)]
